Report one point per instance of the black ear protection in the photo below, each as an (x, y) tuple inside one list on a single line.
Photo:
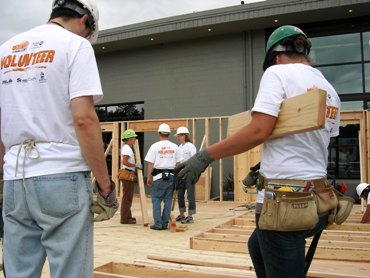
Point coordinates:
[(60, 2)]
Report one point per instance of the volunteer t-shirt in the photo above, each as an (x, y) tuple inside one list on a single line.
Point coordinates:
[(164, 155), (300, 156), (42, 70), (187, 150), (127, 150)]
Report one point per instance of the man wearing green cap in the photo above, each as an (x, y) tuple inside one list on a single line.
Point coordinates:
[(128, 163), (301, 158)]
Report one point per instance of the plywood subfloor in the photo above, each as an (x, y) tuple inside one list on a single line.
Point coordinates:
[(114, 242), (132, 244)]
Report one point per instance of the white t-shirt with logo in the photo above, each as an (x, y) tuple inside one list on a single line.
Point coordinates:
[(42, 70), (188, 150), (127, 150), (302, 156), (164, 155)]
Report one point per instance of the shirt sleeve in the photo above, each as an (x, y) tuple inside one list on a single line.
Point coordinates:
[(84, 74), (270, 94)]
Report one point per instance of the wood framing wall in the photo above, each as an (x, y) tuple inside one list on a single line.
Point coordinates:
[(208, 130), (201, 129)]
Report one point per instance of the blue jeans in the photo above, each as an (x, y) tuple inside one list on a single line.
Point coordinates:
[(162, 191), (190, 188), (49, 216), (280, 254)]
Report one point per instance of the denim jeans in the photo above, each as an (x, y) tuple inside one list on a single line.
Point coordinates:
[(162, 191), (49, 216), (190, 188), (280, 254)]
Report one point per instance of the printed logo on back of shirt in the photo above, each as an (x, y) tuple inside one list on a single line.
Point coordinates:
[(20, 46), (37, 44)]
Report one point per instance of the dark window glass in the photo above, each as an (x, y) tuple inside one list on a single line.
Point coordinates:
[(346, 79), (351, 105), (366, 45), (367, 77), (336, 49), (120, 112)]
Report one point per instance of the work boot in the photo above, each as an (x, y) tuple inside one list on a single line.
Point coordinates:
[(180, 218), (154, 227), (188, 219), (128, 221)]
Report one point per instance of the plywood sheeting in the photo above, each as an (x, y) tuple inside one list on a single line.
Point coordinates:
[(349, 242)]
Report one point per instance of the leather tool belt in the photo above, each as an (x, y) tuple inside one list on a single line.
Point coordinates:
[(294, 205)]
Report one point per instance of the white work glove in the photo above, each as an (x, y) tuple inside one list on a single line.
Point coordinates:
[(191, 169), (139, 166)]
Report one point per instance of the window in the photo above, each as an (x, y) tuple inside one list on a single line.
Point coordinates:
[(352, 105), (336, 49), (120, 112), (366, 46), (346, 79)]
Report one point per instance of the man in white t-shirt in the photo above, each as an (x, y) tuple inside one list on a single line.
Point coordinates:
[(162, 158), (300, 157), (51, 140)]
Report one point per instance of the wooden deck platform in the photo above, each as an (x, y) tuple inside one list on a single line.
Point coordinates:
[(136, 250)]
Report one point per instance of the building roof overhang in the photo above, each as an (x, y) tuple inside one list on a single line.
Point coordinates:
[(260, 15)]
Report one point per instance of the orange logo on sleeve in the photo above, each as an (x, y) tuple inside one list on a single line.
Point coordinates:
[(331, 112)]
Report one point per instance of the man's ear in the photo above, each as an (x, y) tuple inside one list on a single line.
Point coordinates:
[(83, 19), (278, 59)]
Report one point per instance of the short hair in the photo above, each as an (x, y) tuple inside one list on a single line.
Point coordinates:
[(64, 13)]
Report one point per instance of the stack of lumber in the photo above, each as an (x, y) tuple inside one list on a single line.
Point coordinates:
[(343, 250)]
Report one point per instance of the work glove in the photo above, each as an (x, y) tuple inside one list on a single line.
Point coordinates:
[(105, 208), (191, 169), (139, 166), (252, 178)]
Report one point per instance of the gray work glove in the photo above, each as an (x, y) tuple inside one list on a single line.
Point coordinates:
[(191, 169), (104, 207), (251, 179), (139, 166)]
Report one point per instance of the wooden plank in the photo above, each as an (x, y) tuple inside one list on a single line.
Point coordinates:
[(152, 125), (301, 113), (147, 269), (199, 262), (116, 159), (140, 179), (297, 114)]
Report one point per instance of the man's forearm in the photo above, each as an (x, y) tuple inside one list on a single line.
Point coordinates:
[(89, 136)]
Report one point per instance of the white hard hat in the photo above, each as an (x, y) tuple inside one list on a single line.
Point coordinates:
[(165, 128), (361, 187), (89, 8), (182, 130)]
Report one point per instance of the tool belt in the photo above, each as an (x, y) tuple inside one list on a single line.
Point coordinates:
[(294, 205), (165, 173), (126, 174)]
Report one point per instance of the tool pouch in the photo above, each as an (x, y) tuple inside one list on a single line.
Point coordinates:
[(126, 175), (325, 199), (288, 211), (166, 175), (344, 208)]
